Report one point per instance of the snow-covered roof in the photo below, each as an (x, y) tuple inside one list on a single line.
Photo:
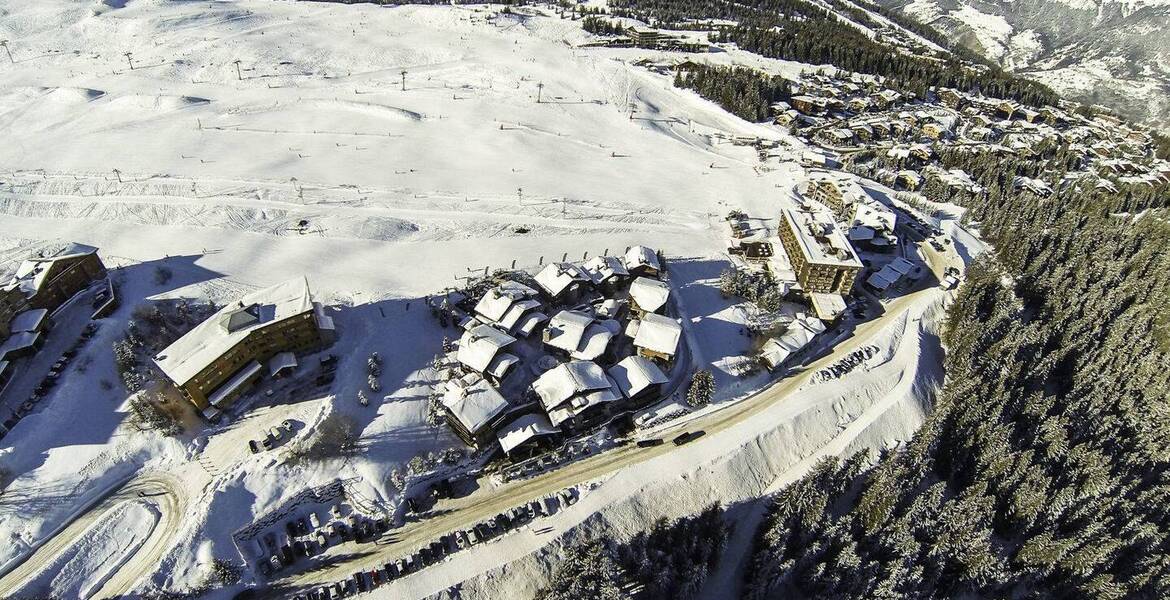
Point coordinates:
[(500, 365), (819, 239), (875, 215), (595, 340), (582, 403), (529, 323), (220, 396), (479, 345), (890, 274), (31, 274), (566, 329), (566, 380), (29, 320), (516, 312), (800, 332), (610, 307), (636, 373), (641, 256), (658, 334), (281, 361), (19, 341), (209, 340), (524, 428), (496, 303), (602, 268), (557, 277), (827, 306), (473, 401), (650, 294)]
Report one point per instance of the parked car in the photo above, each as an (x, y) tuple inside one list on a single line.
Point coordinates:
[(359, 580), (650, 443), (253, 446), (688, 436)]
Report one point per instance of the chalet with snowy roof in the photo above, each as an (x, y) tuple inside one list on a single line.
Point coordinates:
[(778, 351), (576, 395), (891, 275), (886, 98), (809, 105), (473, 407), (1035, 186), (839, 136), (638, 378), (47, 282), (950, 97), (606, 271), (908, 180), (1006, 109), (649, 295), (482, 349), (220, 358), (513, 307), (563, 281), (527, 435), (641, 261), (934, 130), (577, 335), (786, 117), (921, 152), (655, 336)]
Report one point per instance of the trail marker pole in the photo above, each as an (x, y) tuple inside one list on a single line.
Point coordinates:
[(129, 60), (403, 79), (8, 50), (239, 76)]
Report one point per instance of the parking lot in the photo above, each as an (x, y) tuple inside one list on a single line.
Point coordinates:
[(338, 535), (66, 347)]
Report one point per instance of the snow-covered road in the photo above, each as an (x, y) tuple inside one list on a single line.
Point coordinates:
[(161, 495)]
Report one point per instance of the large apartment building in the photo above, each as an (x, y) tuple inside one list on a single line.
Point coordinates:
[(47, 282), (217, 360), (835, 195), (820, 254)]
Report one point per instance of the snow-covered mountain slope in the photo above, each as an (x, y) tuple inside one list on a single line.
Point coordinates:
[(1110, 52)]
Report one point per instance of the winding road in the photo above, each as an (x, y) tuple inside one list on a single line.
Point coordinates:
[(161, 490)]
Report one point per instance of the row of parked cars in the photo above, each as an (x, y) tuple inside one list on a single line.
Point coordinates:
[(51, 378), (310, 536), (272, 437), (364, 581)]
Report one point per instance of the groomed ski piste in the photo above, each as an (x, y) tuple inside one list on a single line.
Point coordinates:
[(238, 144)]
